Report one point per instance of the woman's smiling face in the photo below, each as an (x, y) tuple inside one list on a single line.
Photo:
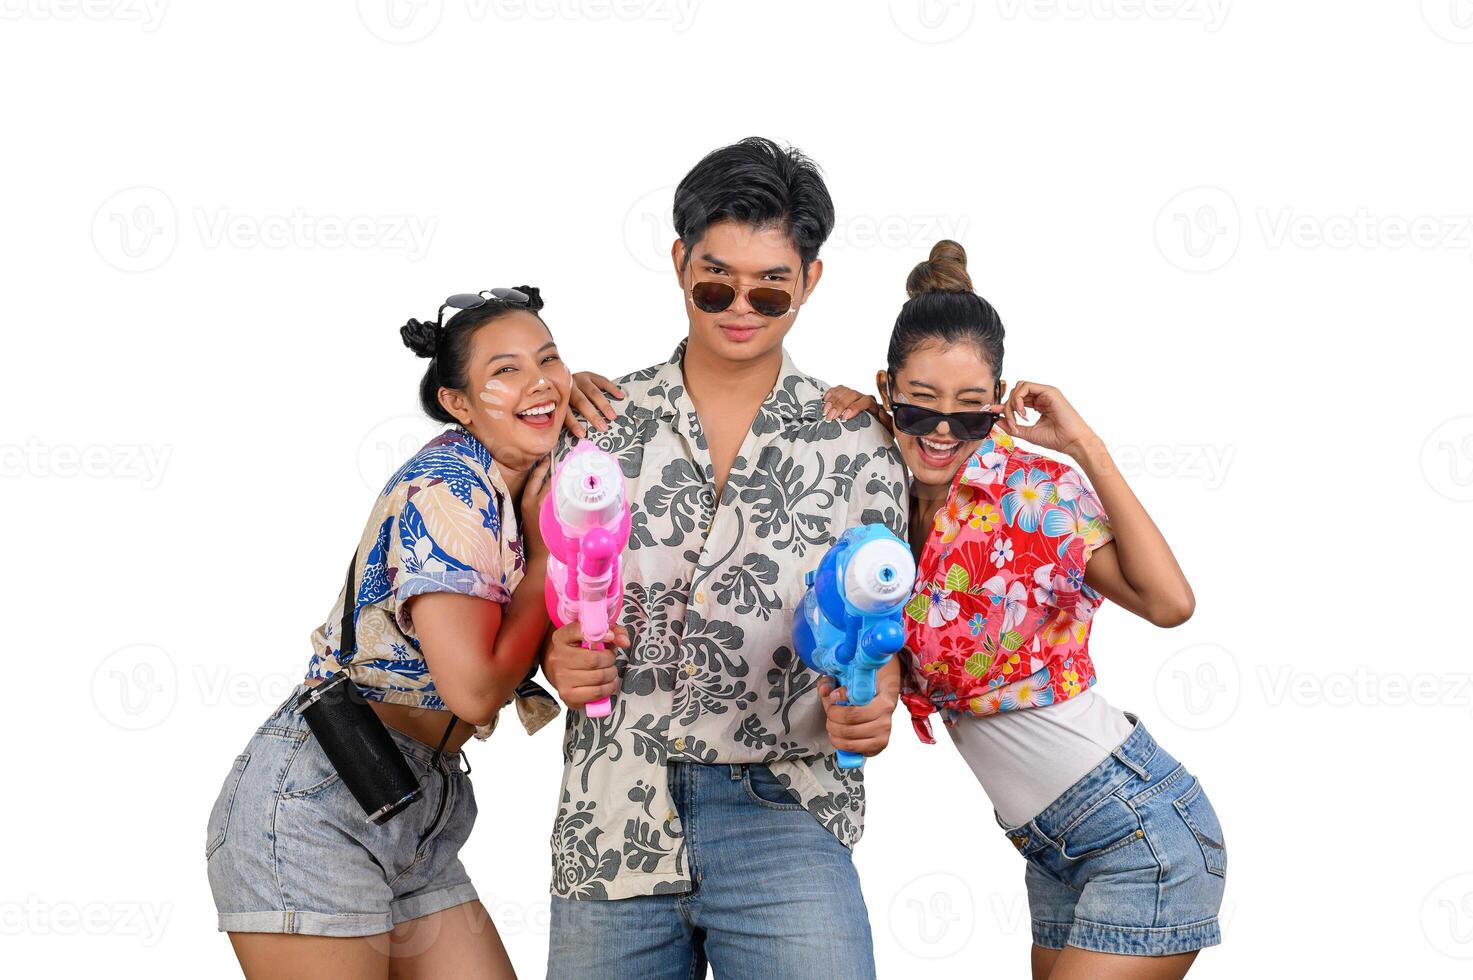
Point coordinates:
[(943, 378), (516, 389)]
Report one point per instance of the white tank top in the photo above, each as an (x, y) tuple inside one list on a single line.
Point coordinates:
[(1026, 759)]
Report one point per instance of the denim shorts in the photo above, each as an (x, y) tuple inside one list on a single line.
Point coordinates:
[(290, 850), (1129, 860)]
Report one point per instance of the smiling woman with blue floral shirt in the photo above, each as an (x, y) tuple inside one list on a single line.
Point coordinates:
[(442, 640)]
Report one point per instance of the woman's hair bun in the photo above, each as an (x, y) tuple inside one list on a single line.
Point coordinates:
[(534, 297), (420, 337), (944, 271)]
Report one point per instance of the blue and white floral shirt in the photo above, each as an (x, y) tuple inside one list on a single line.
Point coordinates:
[(443, 523)]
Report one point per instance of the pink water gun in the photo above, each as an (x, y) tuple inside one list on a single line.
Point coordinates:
[(585, 522)]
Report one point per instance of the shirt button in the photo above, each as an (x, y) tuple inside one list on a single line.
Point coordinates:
[(680, 745), (690, 670), (700, 598), (669, 815)]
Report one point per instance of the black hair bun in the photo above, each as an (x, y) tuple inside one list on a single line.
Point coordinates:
[(422, 338), (534, 297)]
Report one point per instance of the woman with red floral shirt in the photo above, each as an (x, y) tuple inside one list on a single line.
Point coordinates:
[(1015, 552)]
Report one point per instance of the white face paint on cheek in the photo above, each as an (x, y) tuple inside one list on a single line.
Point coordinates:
[(496, 393)]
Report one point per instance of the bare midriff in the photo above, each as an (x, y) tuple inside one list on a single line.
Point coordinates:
[(425, 725)]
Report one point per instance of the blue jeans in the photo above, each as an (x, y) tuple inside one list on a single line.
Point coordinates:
[(774, 895), (1130, 860)]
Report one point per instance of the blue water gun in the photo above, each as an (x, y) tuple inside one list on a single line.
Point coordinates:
[(849, 624)]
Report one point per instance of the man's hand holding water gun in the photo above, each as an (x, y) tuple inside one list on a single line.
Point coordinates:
[(863, 729), (582, 675)]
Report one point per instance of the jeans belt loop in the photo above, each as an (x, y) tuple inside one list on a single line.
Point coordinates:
[(1132, 766)]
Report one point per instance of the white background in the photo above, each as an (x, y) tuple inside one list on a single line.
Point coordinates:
[(1238, 235)]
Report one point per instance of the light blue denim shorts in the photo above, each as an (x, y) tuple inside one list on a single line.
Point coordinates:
[(289, 849), (1129, 860)]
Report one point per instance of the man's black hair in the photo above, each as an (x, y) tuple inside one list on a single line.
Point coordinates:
[(758, 183)]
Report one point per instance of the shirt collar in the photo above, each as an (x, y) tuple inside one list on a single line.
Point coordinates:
[(789, 400)]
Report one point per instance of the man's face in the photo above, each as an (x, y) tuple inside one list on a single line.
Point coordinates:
[(743, 257)]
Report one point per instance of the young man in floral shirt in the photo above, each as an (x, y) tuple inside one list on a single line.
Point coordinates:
[(706, 819)]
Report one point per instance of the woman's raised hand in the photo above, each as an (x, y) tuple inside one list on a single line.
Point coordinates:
[(1058, 427), (590, 398)]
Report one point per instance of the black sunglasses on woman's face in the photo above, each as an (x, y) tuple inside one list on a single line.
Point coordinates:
[(914, 420)]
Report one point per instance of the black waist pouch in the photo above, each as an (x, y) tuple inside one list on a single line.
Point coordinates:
[(355, 739)]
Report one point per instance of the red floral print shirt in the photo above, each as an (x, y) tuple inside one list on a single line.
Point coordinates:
[(1000, 617)]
